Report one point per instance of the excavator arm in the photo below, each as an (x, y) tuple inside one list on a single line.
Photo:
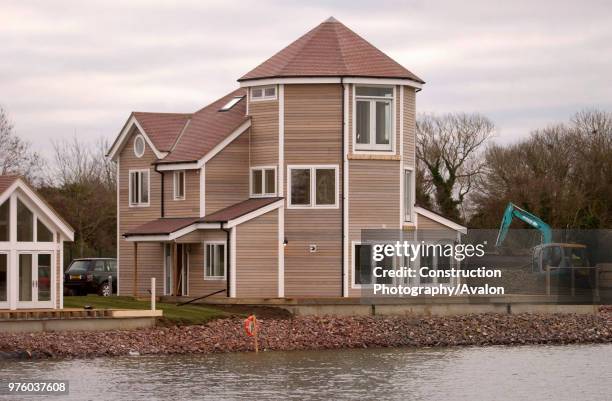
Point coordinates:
[(512, 211)]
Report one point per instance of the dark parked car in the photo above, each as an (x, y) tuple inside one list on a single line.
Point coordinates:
[(85, 276)]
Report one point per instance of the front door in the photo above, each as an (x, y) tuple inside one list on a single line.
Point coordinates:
[(182, 269), (35, 274)]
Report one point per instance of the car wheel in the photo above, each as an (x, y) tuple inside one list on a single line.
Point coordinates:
[(105, 290)]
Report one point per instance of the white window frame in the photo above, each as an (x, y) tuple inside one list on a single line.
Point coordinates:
[(263, 96), (409, 217), (144, 145), (206, 243), (140, 204), (263, 182), (372, 147), (354, 285), (7, 253), (313, 184), (176, 183)]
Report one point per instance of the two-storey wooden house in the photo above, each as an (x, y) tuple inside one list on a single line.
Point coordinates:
[(265, 192)]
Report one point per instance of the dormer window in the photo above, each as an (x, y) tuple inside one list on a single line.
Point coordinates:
[(234, 101), (263, 93), (373, 118)]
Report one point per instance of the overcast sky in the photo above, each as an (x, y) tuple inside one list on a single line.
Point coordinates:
[(80, 67)]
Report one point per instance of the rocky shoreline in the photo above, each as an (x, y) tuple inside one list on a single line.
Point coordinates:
[(315, 333)]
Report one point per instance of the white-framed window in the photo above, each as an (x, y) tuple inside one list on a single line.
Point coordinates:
[(214, 260), (263, 181), (408, 194), (5, 221), (263, 93), (139, 188), (313, 186), (363, 265), (139, 146), (179, 185), (374, 117)]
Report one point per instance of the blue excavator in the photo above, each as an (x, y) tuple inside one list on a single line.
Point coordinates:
[(512, 211), (548, 253)]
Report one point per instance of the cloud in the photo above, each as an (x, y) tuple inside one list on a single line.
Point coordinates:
[(71, 67)]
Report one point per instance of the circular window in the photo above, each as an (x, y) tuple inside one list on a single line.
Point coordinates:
[(139, 146)]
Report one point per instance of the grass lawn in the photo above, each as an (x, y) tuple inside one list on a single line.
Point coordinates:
[(188, 314)]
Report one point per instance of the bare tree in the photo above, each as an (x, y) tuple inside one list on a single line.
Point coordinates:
[(562, 173), (81, 185), (16, 155), (449, 148)]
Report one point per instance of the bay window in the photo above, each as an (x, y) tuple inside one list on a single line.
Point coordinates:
[(374, 118), (313, 186)]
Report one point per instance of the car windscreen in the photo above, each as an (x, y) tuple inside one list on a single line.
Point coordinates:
[(79, 267)]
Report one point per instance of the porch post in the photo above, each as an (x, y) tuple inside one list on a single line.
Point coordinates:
[(135, 289), (175, 268)]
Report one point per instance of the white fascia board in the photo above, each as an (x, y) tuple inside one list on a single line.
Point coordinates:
[(277, 81), (175, 235), (384, 81), (442, 220), (120, 142), (213, 152), (40, 204), (255, 213), (177, 166), (331, 80)]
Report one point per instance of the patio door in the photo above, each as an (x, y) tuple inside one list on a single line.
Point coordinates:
[(34, 278), (4, 280)]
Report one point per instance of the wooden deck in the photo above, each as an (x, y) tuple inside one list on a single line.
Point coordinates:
[(73, 313)]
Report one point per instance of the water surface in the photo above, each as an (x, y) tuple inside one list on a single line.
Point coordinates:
[(493, 373)]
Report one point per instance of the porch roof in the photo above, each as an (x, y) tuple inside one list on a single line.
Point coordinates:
[(178, 226)]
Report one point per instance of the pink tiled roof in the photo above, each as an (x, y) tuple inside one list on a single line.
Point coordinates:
[(330, 49), (162, 128), (162, 226), (6, 181), (208, 127), (165, 226), (238, 209)]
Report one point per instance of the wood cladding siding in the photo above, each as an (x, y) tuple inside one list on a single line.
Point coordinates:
[(264, 132), (373, 201), (374, 195), (197, 285), (257, 257), (150, 255), (431, 230), (227, 175), (409, 126), (188, 207), (313, 135)]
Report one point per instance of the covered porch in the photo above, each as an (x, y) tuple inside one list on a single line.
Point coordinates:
[(195, 257)]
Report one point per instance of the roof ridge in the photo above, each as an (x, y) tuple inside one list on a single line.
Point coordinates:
[(298, 47), (337, 24)]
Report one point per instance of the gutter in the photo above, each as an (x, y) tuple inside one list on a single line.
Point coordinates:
[(162, 191), (342, 289)]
